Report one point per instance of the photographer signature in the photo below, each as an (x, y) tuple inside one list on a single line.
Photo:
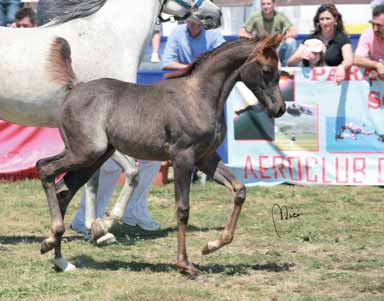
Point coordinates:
[(284, 213)]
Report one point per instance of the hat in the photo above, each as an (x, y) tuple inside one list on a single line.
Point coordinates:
[(314, 45)]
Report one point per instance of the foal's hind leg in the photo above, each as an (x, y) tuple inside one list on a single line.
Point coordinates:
[(47, 173), (213, 166), (48, 169), (101, 227), (72, 181)]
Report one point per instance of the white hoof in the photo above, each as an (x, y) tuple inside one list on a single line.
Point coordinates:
[(107, 239), (63, 265)]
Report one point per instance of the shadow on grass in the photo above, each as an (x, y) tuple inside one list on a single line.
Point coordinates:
[(30, 239), (84, 261), (123, 232)]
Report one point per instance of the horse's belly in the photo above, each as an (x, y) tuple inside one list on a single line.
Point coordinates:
[(31, 112), (145, 147), (144, 151)]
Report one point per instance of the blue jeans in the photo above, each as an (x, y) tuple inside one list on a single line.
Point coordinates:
[(8, 10), (285, 50)]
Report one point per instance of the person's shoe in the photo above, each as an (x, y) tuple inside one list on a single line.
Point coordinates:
[(150, 225), (85, 233), (155, 58)]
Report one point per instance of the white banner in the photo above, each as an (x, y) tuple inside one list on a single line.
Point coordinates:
[(330, 135)]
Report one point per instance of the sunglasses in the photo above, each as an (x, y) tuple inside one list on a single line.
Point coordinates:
[(326, 6)]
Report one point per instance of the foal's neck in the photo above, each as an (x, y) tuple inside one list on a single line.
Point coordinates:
[(219, 74)]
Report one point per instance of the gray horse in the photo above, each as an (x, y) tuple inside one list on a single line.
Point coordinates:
[(180, 119)]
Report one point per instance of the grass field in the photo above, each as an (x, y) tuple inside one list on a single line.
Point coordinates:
[(334, 250)]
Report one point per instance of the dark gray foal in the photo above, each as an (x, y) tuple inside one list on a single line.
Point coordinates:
[(180, 119)]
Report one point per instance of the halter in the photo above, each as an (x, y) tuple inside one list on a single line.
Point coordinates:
[(195, 6), (186, 5)]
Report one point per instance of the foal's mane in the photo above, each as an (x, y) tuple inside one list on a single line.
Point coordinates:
[(207, 55), (61, 11)]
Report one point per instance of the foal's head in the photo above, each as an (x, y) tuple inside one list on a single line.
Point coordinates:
[(260, 74)]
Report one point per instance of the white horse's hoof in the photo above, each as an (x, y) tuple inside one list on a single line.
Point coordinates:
[(63, 265), (107, 239)]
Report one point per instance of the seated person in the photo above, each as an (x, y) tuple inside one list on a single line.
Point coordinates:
[(370, 49), (270, 21), (329, 28), (25, 18)]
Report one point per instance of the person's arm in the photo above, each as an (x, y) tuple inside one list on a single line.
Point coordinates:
[(217, 39), (248, 28), (174, 65), (362, 53), (244, 33), (362, 57), (289, 30), (296, 58), (376, 66), (169, 59), (347, 53), (290, 33), (364, 62)]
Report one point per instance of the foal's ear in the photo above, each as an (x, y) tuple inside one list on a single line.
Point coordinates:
[(273, 41)]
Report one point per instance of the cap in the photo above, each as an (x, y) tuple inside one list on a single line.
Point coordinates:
[(314, 45)]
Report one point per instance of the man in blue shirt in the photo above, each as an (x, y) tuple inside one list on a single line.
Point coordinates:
[(186, 42)]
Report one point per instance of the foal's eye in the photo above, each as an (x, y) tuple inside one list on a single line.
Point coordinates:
[(268, 73), (267, 69)]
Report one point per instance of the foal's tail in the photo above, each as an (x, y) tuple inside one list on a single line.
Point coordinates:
[(60, 64)]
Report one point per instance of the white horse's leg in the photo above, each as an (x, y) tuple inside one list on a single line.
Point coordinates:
[(100, 228)]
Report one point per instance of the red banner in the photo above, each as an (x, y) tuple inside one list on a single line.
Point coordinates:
[(21, 147)]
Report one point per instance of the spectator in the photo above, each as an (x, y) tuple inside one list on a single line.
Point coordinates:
[(370, 49), (269, 21), (156, 39), (137, 213), (8, 9), (186, 42), (329, 28), (25, 18)]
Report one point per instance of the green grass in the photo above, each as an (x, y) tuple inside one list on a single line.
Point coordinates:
[(334, 250)]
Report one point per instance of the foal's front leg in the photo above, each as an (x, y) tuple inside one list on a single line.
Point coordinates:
[(182, 178), (214, 167)]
